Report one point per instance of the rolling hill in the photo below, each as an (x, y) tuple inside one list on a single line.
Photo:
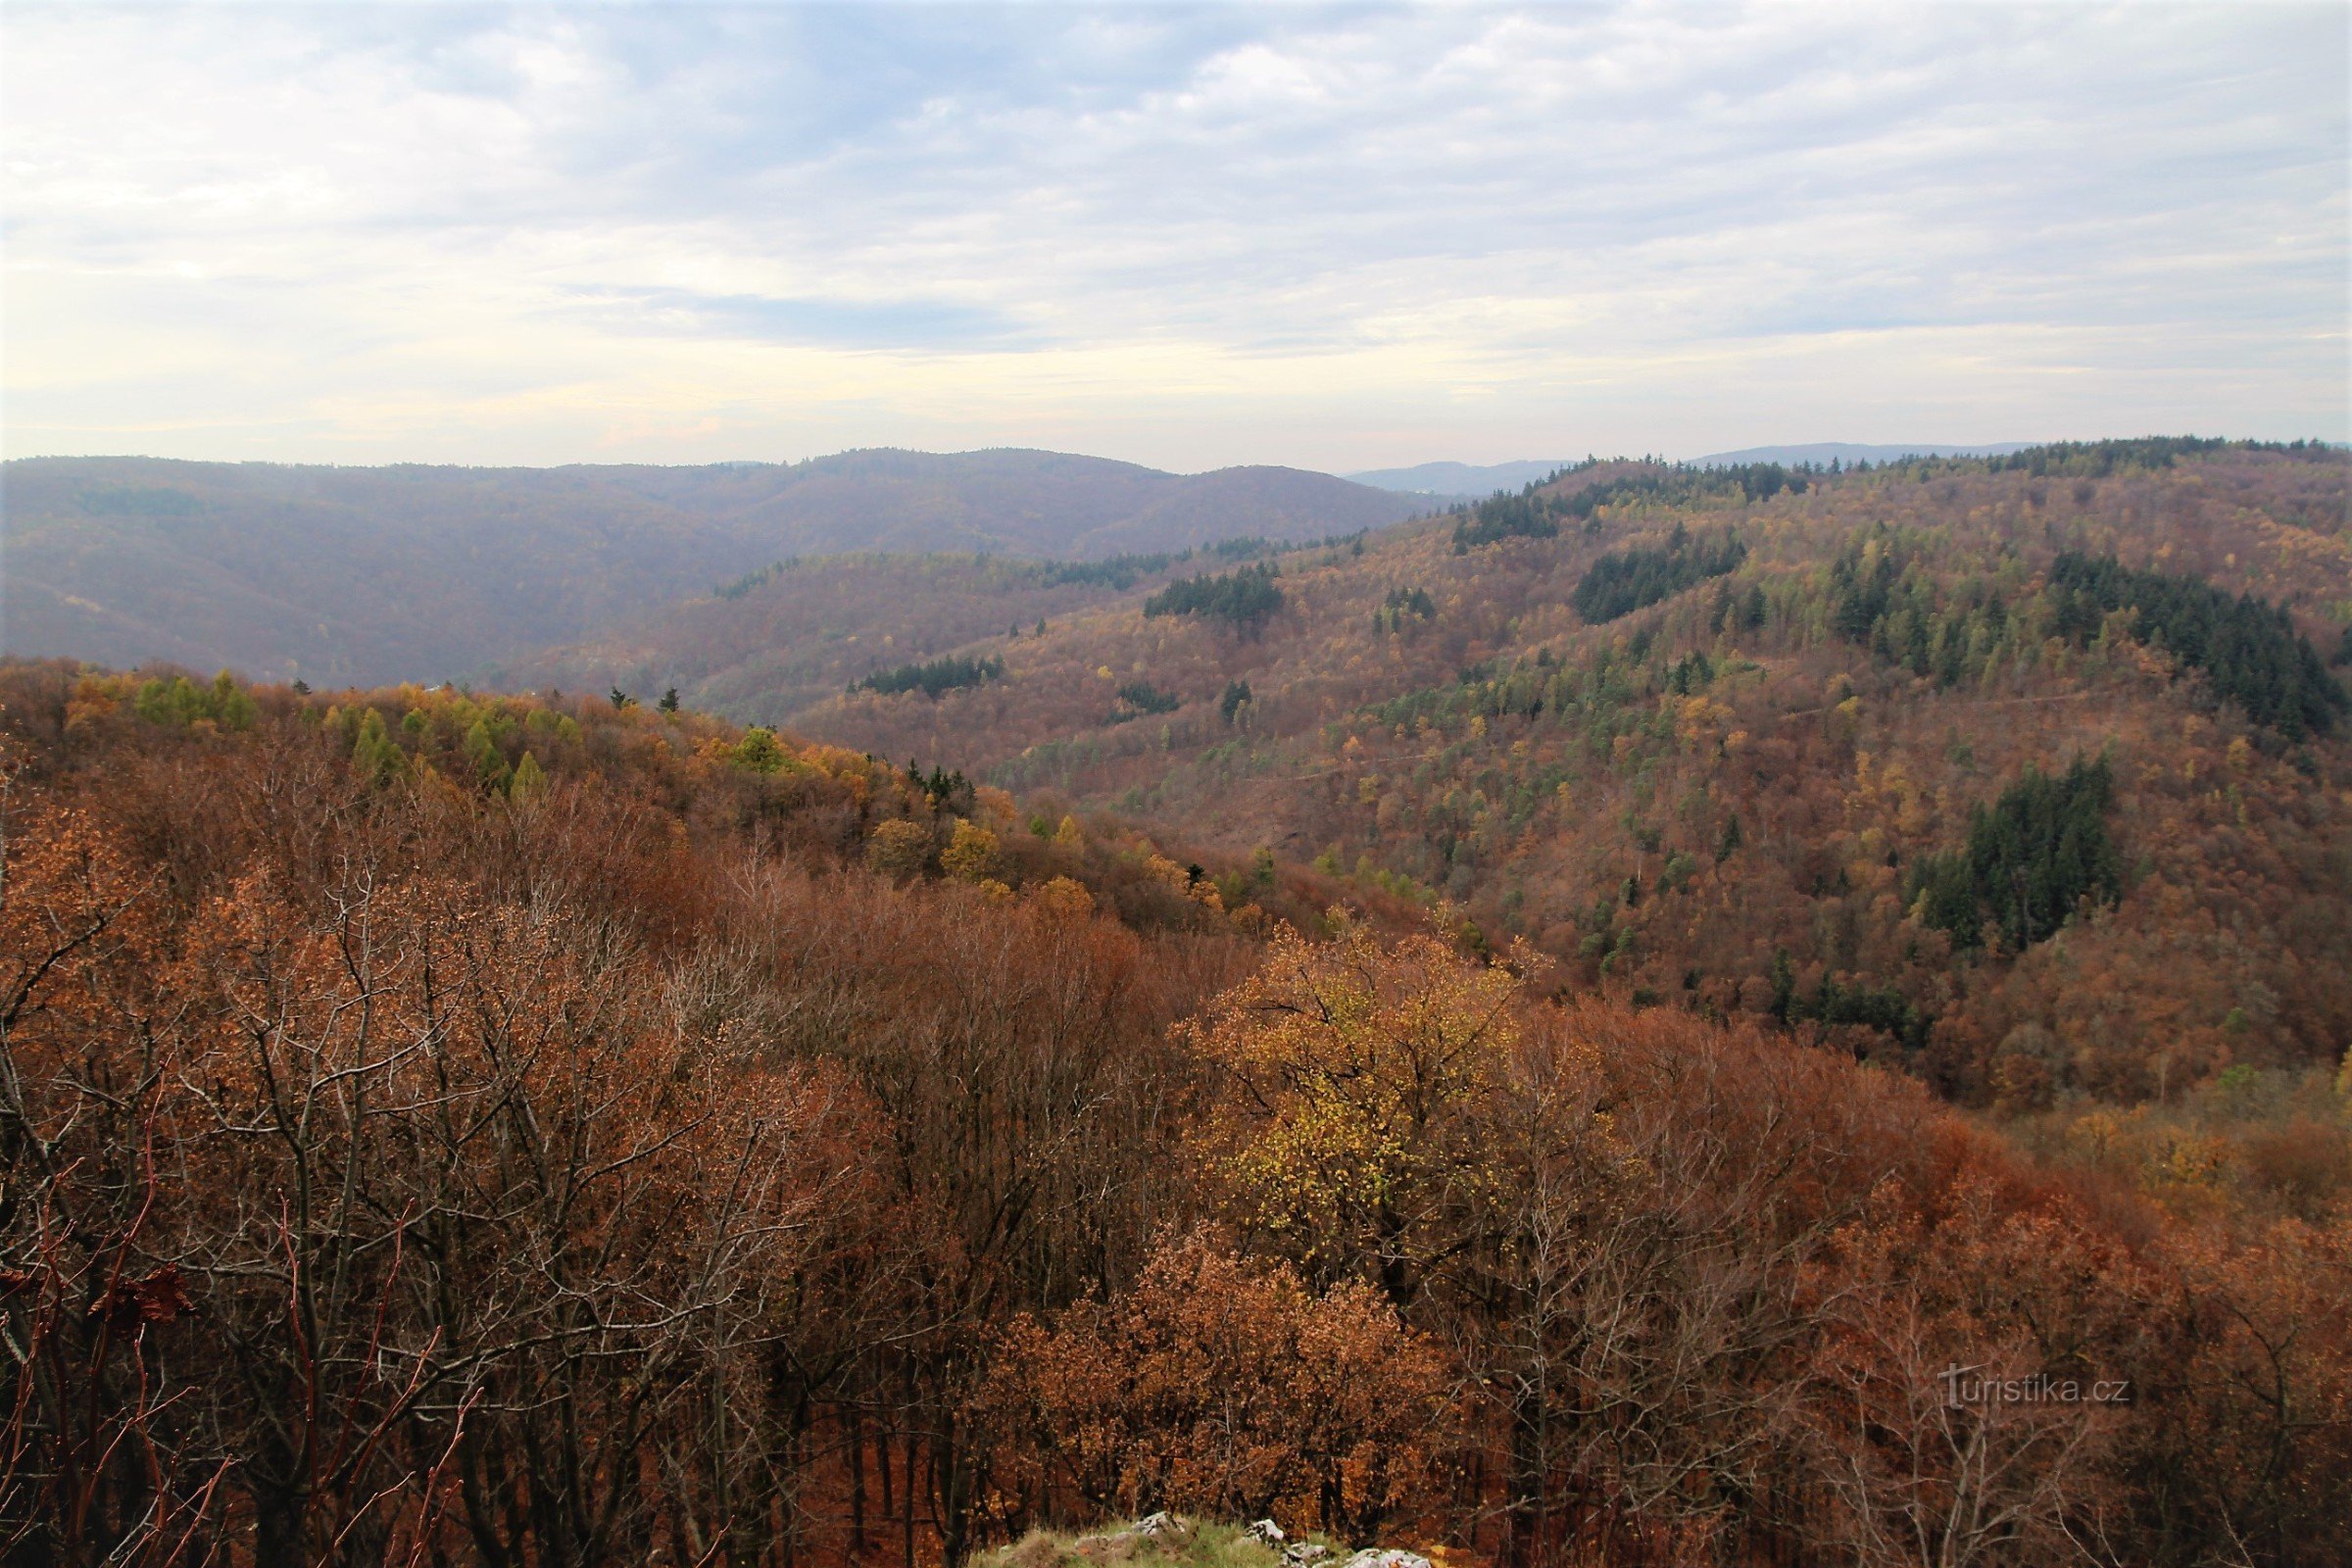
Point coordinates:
[(1462, 478), (1671, 959), (1711, 739), (430, 574)]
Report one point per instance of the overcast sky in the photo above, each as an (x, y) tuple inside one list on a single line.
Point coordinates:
[(1333, 238)]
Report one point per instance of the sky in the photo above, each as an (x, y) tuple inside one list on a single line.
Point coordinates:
[(1334, 238)]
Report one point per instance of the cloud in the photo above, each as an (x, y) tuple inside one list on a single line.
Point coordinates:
[(1341, 237), (912, 323)]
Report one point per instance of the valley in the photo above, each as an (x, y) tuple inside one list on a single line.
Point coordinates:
[(1720, 797), (1821, 928)]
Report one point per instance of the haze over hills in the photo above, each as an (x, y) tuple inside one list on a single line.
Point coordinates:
[(2020, 784), (1461, 479), (961, 1004), (420, 572)]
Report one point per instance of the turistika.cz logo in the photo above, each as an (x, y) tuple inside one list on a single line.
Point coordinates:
[(1967, 1388)]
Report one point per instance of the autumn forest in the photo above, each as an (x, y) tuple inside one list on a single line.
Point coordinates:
[(1744, 1015)]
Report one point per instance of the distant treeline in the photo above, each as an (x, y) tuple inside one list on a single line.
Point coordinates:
[(1118, 572), (1501, 517), (754, 579), (2092, 459), (1626, 580), (1683, 485), (1531, 515), (932, 678)]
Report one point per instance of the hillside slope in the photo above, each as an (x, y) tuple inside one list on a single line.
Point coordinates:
[(795, 634), (429, 574), (579, 1118), (1732, 750)]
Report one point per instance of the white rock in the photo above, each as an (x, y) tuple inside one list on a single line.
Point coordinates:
[(1305, 1554), (1386, 1557), (1267, 1531), (1153, 1526)]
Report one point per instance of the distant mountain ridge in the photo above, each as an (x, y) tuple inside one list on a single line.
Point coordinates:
[(1452, 479), (416, 572)]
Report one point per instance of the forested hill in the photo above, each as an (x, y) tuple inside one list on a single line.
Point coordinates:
[(2027, 773), (493, 1129), (429, 574)]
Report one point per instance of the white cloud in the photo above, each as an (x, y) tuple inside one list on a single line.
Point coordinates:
[(1185, 237)]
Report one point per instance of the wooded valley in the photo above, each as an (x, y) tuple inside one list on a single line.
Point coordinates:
[(1574, 1031)]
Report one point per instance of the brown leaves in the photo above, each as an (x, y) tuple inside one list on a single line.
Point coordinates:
[(1225, 1388), (158, 1297)]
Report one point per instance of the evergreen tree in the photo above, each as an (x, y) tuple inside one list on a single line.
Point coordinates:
[(1505, 517), (2249, 650), (1626, 580), (2030, 859), (1246, 599), (1141, 696), (934, 678)]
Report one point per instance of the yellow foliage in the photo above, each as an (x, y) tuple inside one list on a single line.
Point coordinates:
[(1353, 1065), (971, 853), (1064, 897)]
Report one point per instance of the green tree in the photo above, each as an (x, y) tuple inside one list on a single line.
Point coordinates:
[(482, 755), (759, 751), (376, 754), (2031, 858)]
